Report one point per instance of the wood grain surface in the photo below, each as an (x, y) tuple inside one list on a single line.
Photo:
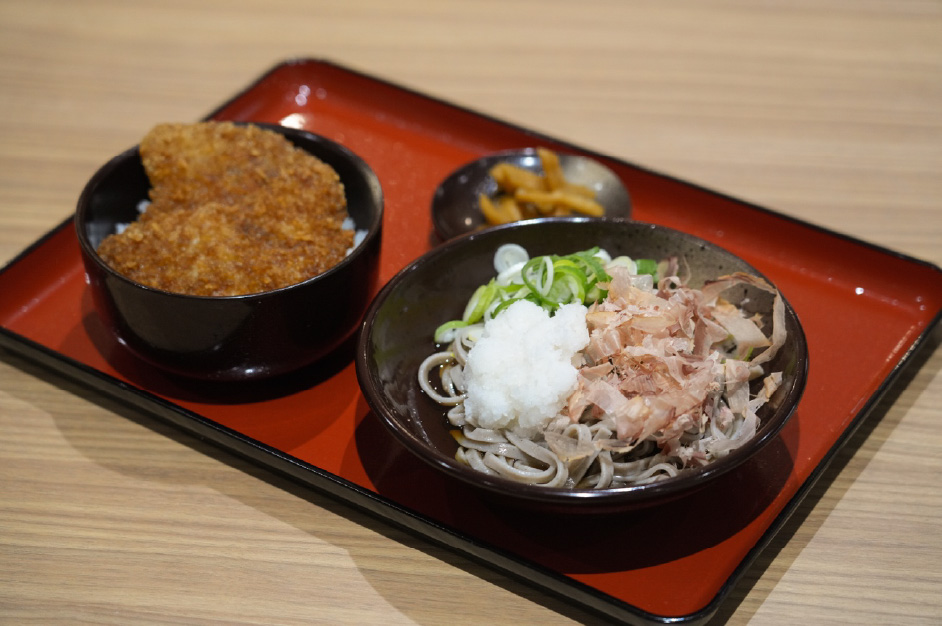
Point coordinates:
[(827, 110)]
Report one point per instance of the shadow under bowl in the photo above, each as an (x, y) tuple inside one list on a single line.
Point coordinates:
[(231, 338), (397, 336)]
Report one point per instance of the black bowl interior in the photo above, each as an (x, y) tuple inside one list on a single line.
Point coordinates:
[(397, 335)]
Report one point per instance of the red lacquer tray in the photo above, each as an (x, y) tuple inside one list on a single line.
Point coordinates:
[(864, 309)]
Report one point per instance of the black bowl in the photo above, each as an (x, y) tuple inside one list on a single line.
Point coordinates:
[(397, 335), (231, 338)]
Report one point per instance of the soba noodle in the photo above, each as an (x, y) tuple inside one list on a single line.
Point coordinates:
[(662, 385)]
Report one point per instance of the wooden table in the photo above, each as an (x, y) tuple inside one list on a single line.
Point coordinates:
[(830, 111)]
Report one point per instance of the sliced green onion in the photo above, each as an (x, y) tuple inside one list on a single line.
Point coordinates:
[(573, 278), (534, 276), (588, 257), (441, 333), (509, 255), (625, 262), (647, 266), (548, 281), (480, 300)]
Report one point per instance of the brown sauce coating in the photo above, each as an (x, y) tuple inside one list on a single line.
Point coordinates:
[(234, 210)]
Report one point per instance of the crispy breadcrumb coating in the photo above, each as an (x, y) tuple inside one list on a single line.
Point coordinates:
[(235, 209)]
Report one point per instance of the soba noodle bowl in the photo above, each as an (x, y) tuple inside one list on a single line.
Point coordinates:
[(589, 372)]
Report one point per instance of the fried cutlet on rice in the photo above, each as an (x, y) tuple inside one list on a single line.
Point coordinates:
[(235, 209)]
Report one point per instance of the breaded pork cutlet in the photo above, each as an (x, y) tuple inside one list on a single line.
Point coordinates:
[(235, 209)]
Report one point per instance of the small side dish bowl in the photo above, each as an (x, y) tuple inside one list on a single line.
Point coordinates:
[(397, 335), (231, 338), (455, 204)]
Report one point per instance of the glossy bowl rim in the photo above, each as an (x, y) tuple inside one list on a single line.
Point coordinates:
[(618, 497)]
